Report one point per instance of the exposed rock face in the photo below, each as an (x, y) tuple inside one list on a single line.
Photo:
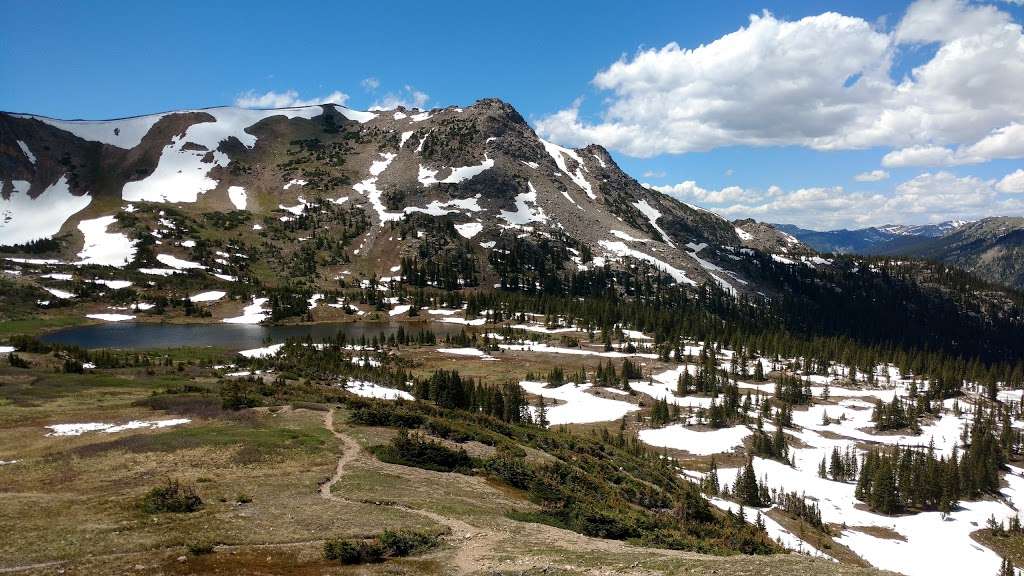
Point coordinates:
[(482, 167), (768, 238)]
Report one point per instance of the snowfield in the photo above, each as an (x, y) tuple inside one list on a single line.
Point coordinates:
[(559, 154), (82, 428), (931, 544), (238, 197), (23, 219), (525, 213), (428, 177), (178, 263), (252, 314), (371, 390), (182, 175), (699, 442), (105, 248), (211, 296), (111, 317), (124, 133), (620, 249), (578, 406)]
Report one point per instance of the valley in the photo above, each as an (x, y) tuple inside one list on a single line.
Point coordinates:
[(322, 340)]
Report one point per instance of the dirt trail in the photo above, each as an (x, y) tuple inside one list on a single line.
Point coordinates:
[(473, 548), (471, 543)]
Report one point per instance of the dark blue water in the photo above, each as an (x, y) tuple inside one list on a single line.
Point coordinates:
[(142, 335)]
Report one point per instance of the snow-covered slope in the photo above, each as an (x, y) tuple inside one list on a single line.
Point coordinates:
[(481, 168)]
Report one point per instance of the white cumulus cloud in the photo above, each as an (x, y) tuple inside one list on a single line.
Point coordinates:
[(409, 97), (929, 197), (872, 176), (920, 156), (286, 99), (823, 82), (1012, 183)]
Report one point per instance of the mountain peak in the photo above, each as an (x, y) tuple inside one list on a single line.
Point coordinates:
[(481, 169)]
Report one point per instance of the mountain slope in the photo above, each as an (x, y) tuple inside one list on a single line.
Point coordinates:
[(872, 240), (482, 167), (281, 208), (992, 248)]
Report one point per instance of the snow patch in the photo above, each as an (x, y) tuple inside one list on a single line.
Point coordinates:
[(105, 248), (469, 230), (524, 213), (427, 177), (620, 249), (110, 317), (579, 407), (371, 390), (210, 296), (698, 442), (178, 263), (559, 153), (23, 219), (182, 173), (81, 428), (652, 215), (265, 352), (124, 133), (238, 197), (251, 314), (28, 153)]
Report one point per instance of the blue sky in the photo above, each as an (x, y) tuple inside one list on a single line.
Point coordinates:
[(745, 145)]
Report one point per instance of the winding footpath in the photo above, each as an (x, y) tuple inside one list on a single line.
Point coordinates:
[(471, 544)]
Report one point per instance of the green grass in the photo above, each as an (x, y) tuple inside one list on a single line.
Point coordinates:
[(52, 386), (257, 441), (38, 325), (1008, 546), (195, 355)]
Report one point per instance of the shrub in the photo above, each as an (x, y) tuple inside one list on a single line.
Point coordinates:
[(236, 395), (420, 452), (353, 551), (173, 496), (513, 471), (407, 542), (344, 551), (390, 544), (381, 415), (200, 548), (17, 361)]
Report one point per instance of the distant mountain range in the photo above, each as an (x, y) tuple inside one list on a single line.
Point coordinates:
[(866, 240), (991, 248)]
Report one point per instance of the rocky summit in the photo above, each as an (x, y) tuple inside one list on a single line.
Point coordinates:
[(369, 188)]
